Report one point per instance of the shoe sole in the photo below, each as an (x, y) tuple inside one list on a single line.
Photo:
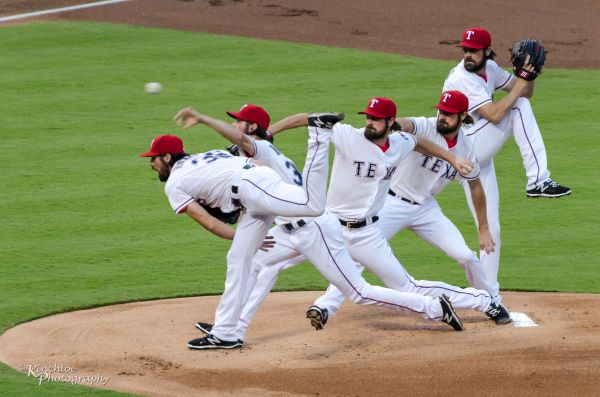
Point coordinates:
[(503, 321), (315, 319), (529, 195), (209, 347), (202, 329)]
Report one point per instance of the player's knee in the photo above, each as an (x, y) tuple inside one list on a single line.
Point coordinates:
[(316, 209), (523, 105), (464, 256), (234, 256), (357, 299)]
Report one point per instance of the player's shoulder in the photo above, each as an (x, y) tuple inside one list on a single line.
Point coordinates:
[(492, 65), (402, 138), (458, 72), (349, 132), (462, 80), (347, 128), (262, 149), (424, 126), (463, 141), (173, 183)]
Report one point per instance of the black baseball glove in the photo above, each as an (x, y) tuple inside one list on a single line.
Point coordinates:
[(518, 54), (226, 217), (233, 149)]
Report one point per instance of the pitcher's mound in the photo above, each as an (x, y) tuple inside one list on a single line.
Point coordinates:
[(141, 348)]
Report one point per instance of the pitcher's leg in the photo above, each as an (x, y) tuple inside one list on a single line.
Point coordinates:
[(327, 251), (373, 252), (263, 192), (531, 144), (249, 235), (266, 269), (331, 300), (487, 138), (394, 216), (434, 227), (491, 261)]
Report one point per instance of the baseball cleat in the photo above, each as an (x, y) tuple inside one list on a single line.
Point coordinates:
[(318, 317), (212, 342), (449, 315), (498, 313), (204, 327), (549, 189), (324, 120)]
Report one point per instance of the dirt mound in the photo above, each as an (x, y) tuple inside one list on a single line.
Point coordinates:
[(141, 348)]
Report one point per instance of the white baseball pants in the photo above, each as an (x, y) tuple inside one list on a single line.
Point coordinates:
[(264, 195), (491, 261), (488, 138), (369, 247), (321, 242)]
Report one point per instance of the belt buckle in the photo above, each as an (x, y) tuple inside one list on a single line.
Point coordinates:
[(351, 225)]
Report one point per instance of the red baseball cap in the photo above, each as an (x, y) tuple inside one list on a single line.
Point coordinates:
[(453, 102), (252, 114), (381, 108), (476, 38), (164, 144)]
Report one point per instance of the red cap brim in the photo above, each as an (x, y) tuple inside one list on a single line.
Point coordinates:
[(149, 154), (371, 113), (235, 115), (446, 109), (469, 45)]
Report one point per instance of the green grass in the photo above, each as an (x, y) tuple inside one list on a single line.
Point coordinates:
[(85, 222)]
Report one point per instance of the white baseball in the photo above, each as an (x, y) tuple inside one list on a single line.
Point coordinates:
[(153, 88)]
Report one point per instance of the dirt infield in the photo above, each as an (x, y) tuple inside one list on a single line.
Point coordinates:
[(362, 351), (423, 28)]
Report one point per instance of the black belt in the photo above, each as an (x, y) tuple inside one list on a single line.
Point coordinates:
[(235, 198), (294, 225), (361, 223), (392, 193)]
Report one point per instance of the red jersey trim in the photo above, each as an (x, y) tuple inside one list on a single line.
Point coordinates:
[(386, 146)]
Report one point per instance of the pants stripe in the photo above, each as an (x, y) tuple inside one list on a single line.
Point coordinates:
[(353, 287), (537, 179)]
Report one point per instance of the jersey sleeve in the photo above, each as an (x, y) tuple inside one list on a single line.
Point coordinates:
[(476, 93), (424, 126), (178, 199), (469, 151), (501, 77), (408, 143), (342, 137), (472, 86), (262, 150)]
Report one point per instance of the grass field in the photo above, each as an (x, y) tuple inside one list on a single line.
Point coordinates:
[(85, 221)]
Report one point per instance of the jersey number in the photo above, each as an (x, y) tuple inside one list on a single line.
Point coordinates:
[(215, 155), (297, 179)]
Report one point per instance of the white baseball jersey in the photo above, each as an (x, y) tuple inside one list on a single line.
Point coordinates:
[(362, 171), (205, 178), (479, 90), (421, 176), (265, 151)]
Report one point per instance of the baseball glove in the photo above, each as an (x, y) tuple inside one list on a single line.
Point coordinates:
[(518, 54), (233, 149), (226, 217)]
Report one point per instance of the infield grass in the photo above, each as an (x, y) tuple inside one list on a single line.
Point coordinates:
[(85, 221)]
